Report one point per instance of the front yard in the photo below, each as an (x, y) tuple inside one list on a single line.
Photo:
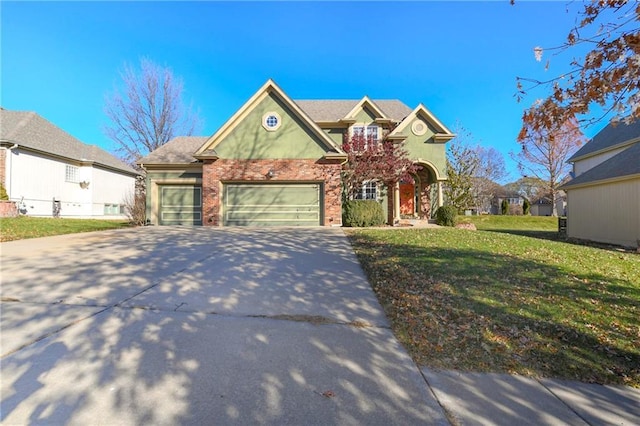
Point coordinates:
[(507, 300), (18, 228)]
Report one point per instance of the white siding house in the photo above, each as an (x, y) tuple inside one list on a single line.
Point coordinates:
[(42, 165), (603, 198)]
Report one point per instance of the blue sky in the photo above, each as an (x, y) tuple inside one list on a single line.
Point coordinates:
[(460, 59)]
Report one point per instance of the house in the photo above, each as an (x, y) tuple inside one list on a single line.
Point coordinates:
[(514, 199), (603, 198), (46, 171), (542, 205), (277, 161)]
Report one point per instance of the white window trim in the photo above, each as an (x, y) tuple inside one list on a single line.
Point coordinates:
[(71, 173), (362, 195), (365, 129), (269, 115)]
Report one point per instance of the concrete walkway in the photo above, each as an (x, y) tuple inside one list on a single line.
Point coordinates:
[(235, 326)]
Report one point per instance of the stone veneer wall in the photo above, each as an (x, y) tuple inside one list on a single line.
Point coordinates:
[(215, 173)]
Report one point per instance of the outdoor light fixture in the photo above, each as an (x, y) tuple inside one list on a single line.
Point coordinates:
[(271, 173)]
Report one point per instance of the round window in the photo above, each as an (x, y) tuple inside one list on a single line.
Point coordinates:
[(271, 121), (419, 128)]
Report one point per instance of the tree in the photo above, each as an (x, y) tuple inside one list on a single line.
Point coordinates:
[(608, 75), (148, 112), (369, 159), (529, 187), (462, 165), (526, 207), (544, 154), (490, 170), (504, 207)]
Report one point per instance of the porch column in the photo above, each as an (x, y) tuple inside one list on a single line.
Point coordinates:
[(396, 202), (440, 196)]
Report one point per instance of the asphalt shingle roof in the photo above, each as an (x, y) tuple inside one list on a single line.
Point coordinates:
[(609, 137), (334, 110), (177, 150), (30, 130), (625, 163)]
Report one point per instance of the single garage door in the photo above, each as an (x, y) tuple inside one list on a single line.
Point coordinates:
[(180, 205), (271, 204)]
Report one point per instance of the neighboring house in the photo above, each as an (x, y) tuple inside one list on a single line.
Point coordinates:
[(603, 198), (514, 199), (277, 161), (43, 168), (542, 206)]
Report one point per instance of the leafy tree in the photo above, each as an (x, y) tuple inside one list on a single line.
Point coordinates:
[(607, 76), (526, 207), (504, 207), (386, 161), (544, 154), (148, 112)]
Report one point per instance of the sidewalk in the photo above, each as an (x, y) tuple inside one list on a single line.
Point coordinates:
[(502, 399)]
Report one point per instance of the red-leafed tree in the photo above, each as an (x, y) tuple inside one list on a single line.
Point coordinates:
[(544, 154), (607, 76), (371, 159)]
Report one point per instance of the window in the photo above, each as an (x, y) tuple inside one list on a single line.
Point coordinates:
[(370, 133), (369, 191), (271, 121), (71, 174)]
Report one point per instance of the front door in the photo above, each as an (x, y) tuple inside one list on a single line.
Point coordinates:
[(407, 199)]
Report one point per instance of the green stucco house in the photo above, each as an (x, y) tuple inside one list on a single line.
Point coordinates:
[(277, 161)]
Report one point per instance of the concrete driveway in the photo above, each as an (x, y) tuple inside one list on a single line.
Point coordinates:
[(200, 326)]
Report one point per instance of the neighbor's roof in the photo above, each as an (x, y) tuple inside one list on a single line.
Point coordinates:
[(625, 163), (609, 137), (29, 130), (177, 150), (334, 110)]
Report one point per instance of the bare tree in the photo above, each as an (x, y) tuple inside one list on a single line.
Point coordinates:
[(490, 170), (608, 75), (544, 155), (462, 165), (147, 112)]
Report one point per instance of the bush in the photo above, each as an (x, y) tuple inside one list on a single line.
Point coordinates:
[(360, 213), (3, 193), (446, 216), (526, 207), (504, 207), (515, 209)]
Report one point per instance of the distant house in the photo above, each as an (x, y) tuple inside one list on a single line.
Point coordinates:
[(542, 206), (278, 161), (603, 198), (44, 169), (514, 199)]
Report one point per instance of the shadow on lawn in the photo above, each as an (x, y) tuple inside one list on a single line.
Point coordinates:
[(471, 309)]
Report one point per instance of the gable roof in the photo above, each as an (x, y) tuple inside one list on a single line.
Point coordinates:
[(443, 133), (333, 110), (177, 150), (623, 164), (30, 130), (612, 136), (270, 87)]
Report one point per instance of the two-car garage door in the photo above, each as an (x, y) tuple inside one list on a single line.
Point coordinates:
[(271, 204)]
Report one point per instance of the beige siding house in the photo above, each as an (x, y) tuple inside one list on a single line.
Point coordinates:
[(603, 199)]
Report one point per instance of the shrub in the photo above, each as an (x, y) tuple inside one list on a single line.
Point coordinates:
[(526, 207), (515, 209), (3, 193), (446, 216), (360, 213), (504, 207)]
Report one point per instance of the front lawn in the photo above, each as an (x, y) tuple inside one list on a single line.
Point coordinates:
[(17, 228), (503, 302)]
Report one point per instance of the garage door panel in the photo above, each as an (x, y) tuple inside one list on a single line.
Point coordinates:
[(272, 204), (180, 205)]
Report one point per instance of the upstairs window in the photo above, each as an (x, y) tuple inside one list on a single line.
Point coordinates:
[(370, 134), (71, 174)]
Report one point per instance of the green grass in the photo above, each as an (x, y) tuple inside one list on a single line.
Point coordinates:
[(17, 228), (506, 302)]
